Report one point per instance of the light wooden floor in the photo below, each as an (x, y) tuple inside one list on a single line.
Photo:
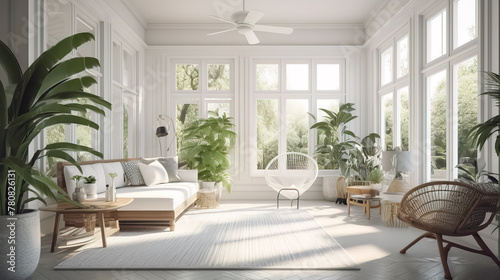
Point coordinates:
[(373, 245)]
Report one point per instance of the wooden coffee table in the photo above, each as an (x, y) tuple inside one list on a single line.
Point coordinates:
[(98, 207)]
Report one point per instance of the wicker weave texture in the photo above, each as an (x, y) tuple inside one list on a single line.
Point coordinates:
[(291, 170), (448, 208)]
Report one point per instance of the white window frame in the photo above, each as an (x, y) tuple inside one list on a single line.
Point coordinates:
[(282, 95), (393, 87), (452, 57)]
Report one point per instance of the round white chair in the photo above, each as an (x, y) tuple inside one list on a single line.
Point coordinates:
[(291, 174)]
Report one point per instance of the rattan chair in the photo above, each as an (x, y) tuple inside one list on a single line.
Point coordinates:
[(291, 174), (452, 209)]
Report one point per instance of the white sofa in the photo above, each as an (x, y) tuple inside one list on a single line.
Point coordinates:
[(155, 205)]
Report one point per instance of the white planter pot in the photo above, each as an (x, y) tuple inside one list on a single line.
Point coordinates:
[(90, 190), (330, 187), (24, 230), (208, 185)]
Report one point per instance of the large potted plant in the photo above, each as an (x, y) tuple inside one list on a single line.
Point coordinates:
[(46, 94), (366, 156), (208, 144), (481, 132), (335, 142)]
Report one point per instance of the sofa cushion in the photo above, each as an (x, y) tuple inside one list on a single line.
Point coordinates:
[(171, 164), (153, 173), (114, 167), (162, 197), (95, 170), (133, 173)]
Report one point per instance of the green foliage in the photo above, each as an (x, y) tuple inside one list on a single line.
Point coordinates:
[(47, 94), (207, 147), (376, 176), (77, 178), (366, 156), (187, 76), (472, 170), (480, 133), (89, 179), (338, 141), (267, 131)]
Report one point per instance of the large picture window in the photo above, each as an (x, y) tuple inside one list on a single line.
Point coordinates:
[(451, 85), (279, 118), (200, 86), (394, 93)]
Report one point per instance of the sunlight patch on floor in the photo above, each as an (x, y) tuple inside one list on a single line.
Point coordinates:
[(367, 252)]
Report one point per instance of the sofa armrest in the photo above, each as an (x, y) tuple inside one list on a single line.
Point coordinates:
[(188, 175)]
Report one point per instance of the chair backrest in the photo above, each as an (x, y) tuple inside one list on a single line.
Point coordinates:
[(450, 207), (291, 169)]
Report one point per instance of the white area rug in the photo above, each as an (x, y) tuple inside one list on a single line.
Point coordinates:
[(215, 239)]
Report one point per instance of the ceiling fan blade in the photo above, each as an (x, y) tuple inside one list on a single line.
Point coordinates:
[(273, 29), (223, 19), (251, 38), (253, 16), (223, 31)]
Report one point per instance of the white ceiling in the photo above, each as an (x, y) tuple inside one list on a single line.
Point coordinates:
[(291, 12)]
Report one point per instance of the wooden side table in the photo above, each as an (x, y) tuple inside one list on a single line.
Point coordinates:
[(207, 198), (365, 194), (97, 207)]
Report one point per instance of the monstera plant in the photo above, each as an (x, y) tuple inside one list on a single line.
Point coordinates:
[(50, 92)]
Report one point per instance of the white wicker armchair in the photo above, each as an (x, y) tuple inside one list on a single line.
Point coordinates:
[(291, 174)]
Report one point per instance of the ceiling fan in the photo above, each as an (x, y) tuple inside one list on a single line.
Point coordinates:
[(245, 23)]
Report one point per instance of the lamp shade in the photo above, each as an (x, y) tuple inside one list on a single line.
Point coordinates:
[(403, 161), (161, 131), (387, 160)]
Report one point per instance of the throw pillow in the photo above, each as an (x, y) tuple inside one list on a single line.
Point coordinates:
[(170, 164), (133, 173), (153, 173)]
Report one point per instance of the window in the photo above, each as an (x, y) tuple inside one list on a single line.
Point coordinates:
[(281, 120), (394, 93), (267, 77), (436, 102), (297, 76), (201, 85), (187, 77), (436, 36), (328, 77), (297, 126), (464, 22), (267, 131), (402, 57), (124, 110), (186, 113), (63, 20), (451, 85), (218, 77), (403, 118), (386, 66), (387, 122), (465, 90)]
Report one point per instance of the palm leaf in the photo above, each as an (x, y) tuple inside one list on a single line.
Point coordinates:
[(66, 69)]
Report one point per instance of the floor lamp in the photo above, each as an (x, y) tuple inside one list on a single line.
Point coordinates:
[(162, 131)]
